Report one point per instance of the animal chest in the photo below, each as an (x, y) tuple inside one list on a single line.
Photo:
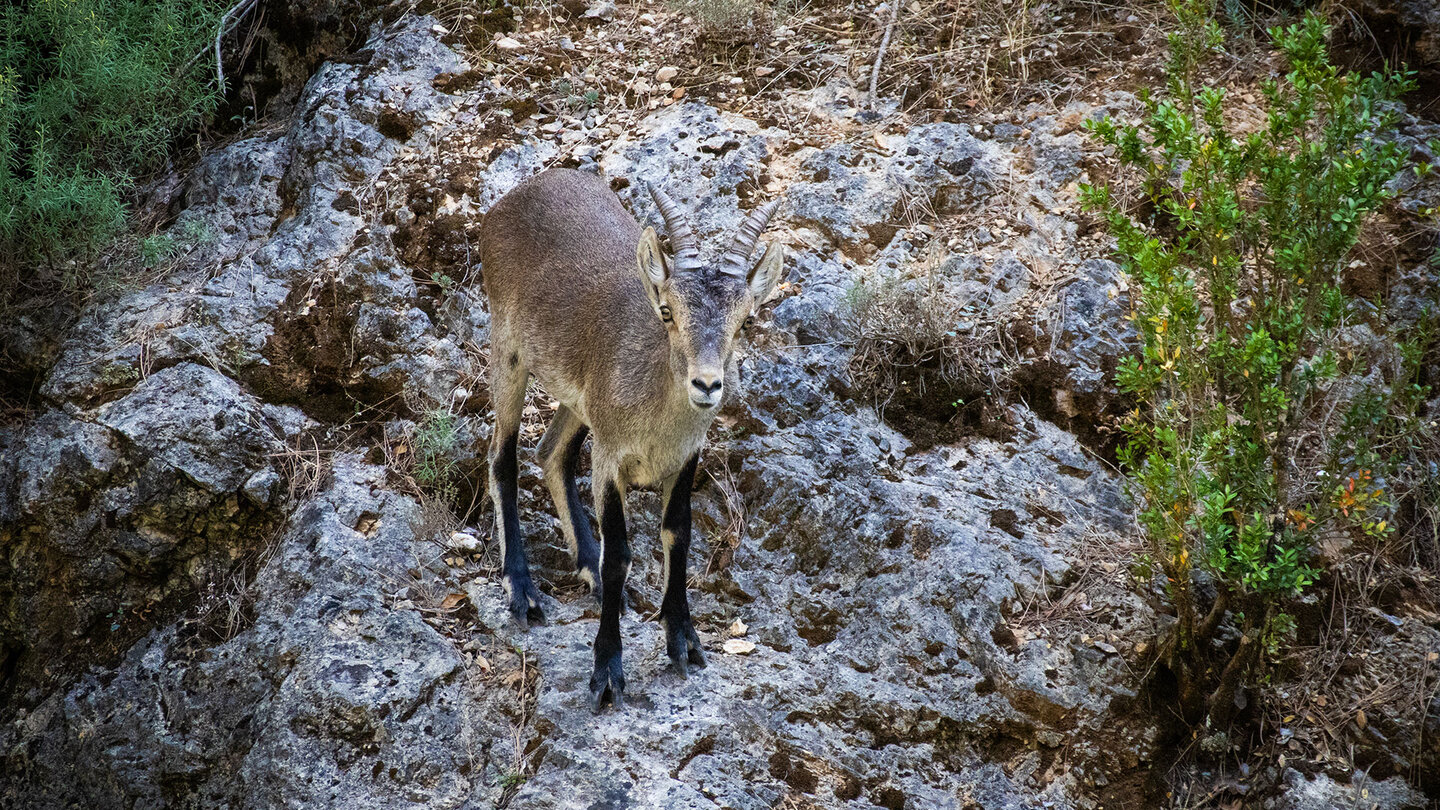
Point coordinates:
[(654, 462)]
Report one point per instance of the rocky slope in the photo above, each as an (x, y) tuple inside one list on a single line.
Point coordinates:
[(221, 587)]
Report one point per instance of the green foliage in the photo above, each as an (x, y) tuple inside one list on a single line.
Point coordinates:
[(575, 96), (1384, 450), (443, 281), (1237, 264), (92, 93), (436, 445), (157, 248)]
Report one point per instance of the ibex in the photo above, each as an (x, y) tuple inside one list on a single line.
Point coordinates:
[(636, 347)]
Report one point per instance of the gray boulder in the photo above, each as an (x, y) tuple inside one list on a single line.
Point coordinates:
[(196, 421), (332, 693), (1321, 792), (854, 196), (1084, 337), (706, 160)]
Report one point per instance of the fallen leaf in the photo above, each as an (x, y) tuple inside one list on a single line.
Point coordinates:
[(739, 646), (451, 601), (1360, 718)]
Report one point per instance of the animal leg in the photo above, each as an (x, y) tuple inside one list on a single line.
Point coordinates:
[(608, 678), (508, 377), (682, 644), (560, 458)]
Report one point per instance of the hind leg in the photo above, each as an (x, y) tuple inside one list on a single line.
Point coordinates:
[(508, 377), (560, 458)]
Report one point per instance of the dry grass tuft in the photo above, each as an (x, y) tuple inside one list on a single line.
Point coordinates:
[(918, 350), (729, 21), (725, 537)]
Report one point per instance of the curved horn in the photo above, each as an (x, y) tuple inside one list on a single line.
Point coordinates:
[(682, 239), (736, 260)]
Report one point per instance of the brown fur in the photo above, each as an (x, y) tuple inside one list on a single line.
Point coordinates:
[(634, 347)]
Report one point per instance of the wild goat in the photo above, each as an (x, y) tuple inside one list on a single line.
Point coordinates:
[(636, 355)]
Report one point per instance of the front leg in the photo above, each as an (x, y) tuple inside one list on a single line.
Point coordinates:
[(681, 642), (608, 679)]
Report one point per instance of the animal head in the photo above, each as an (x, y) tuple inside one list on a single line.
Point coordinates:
[(705, 305)]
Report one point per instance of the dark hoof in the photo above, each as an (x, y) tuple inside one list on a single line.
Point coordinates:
[(524, 602), (607, 684), (682, 644)]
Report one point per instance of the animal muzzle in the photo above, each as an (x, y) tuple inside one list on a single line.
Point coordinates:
[(706, 388)]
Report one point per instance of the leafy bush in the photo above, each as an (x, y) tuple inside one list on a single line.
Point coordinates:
[(437, 444), (92, 93), (1237, 254)]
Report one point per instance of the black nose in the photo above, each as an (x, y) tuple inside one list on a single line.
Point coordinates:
[(707, 389)]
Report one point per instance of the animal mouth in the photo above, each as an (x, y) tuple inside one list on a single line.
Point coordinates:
[(704, 403)]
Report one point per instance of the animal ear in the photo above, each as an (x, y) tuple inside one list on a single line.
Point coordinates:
[(767, 272), (653, 269)]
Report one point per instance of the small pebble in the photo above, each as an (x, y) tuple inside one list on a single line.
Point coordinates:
[(464, 541)]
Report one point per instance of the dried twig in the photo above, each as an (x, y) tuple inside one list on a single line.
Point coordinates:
[(238, 11), (880, 55)]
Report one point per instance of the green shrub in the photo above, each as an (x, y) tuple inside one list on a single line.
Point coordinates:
[(1237, 258), (92, 93), (437, 445)]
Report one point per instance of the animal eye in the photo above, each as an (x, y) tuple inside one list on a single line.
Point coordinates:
[(665, 313), (749, 322)]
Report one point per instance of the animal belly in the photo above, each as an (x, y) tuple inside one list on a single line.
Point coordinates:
[(571, 396)]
